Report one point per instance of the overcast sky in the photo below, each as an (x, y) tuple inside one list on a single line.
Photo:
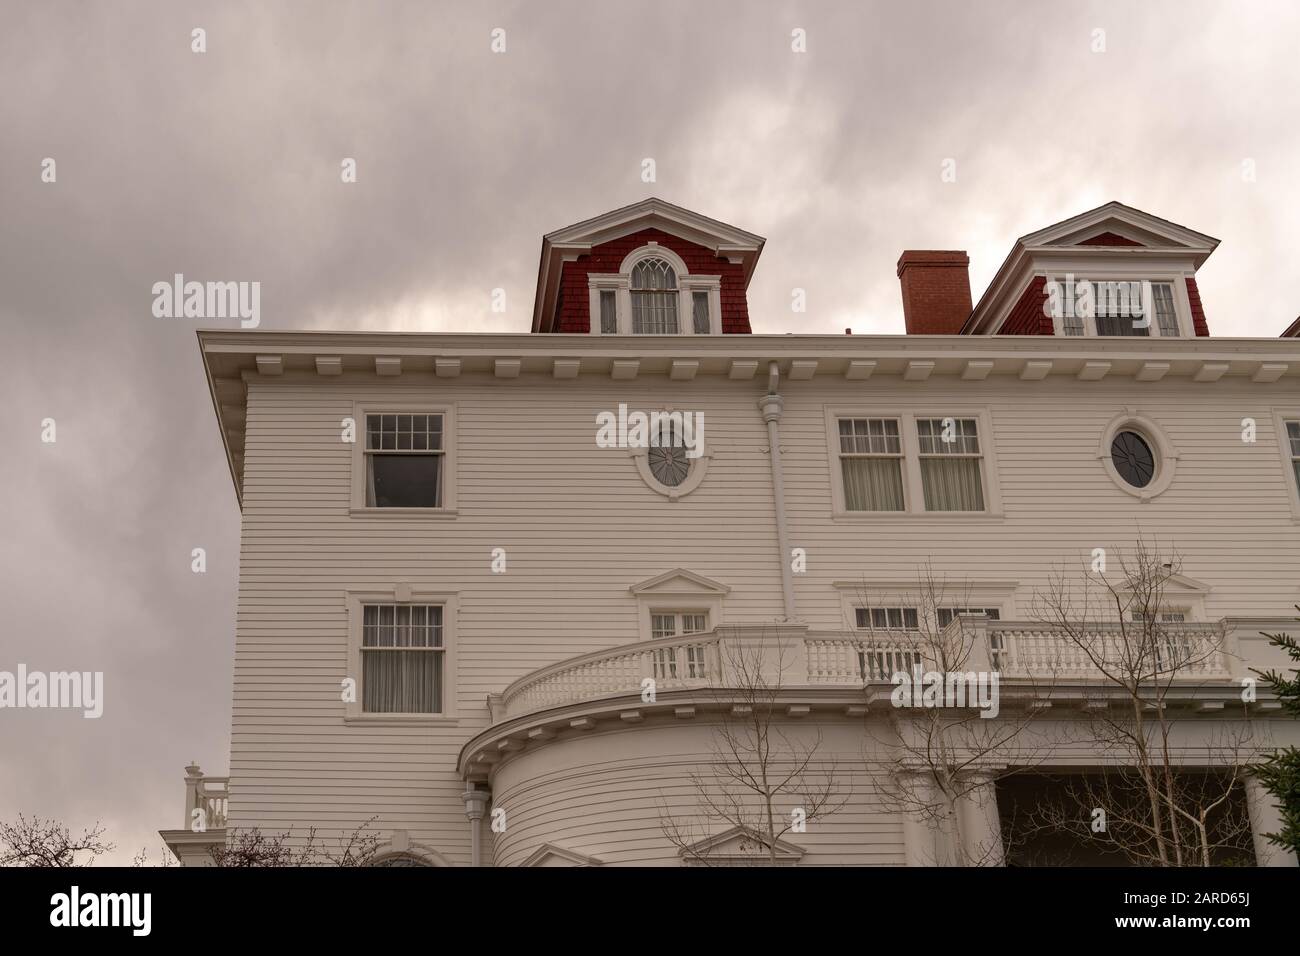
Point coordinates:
[(226, 165)]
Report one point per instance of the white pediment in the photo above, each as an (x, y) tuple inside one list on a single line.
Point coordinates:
[(549, 854), (1148, 231), (653, 213), (741, 846), (679, 581)]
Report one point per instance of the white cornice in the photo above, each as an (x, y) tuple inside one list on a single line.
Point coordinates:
[(234, 358)]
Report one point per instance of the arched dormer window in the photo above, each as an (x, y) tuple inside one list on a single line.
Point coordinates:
[(654, 293), (654, 298)]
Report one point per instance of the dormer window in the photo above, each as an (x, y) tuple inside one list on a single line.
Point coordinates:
[(654, 293), (654, 298), (1095, 306)]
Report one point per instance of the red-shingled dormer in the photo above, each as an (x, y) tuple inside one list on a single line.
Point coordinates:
[(651, 268), (1113, 246)]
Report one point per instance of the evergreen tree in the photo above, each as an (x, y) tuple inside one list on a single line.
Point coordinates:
[(1280, 772)]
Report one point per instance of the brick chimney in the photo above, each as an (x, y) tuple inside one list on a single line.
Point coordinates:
[(936, 291)]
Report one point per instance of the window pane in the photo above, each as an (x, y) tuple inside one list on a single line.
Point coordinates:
[(869, 436), (946, 614), (952, 484), (872, 484), (887, 618), (653, 274), (1293, 435), (663, 625), (1120, 325), (1166, 319), (700, 310), (608, 314), (962, 436), (654, 313), (693, 623), (404, 481), (401, 682)]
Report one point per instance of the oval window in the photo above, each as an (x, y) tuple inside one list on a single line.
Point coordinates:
[(669, 465), (1133, 459)]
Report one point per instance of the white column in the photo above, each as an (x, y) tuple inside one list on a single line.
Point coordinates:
[(924, 840), (193, 775), (1265, 818), (981, 826)]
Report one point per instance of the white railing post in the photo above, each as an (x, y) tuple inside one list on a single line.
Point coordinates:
[(193, 777)]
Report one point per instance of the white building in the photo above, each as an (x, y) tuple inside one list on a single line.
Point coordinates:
[(543, 633)]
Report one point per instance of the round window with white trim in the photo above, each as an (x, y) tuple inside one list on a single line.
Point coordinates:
[(1133, 458), (672, 463), (1137, 455)]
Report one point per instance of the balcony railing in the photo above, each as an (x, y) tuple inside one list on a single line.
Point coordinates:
[(1025, 651), (209, 794), (673, 663), (1184, 653), (1177, 652)]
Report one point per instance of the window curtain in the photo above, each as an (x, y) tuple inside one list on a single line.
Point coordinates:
[(608, 314), (873, 484), (700, 306), (654, 313), (952, 484), (402, 682)]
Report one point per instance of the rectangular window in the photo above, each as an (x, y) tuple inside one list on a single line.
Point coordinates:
[(670, 662), (700, 313), (1166, 617), (405, 459), (401, 659), (871, 460), (671, 625), (1166, 318), (608, 313), (887, 618), (1293, 439), (654, 312), (1115, 307), (950, 460), (946, 614)]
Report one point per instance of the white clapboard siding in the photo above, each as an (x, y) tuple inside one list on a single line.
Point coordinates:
[(580, 527)]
